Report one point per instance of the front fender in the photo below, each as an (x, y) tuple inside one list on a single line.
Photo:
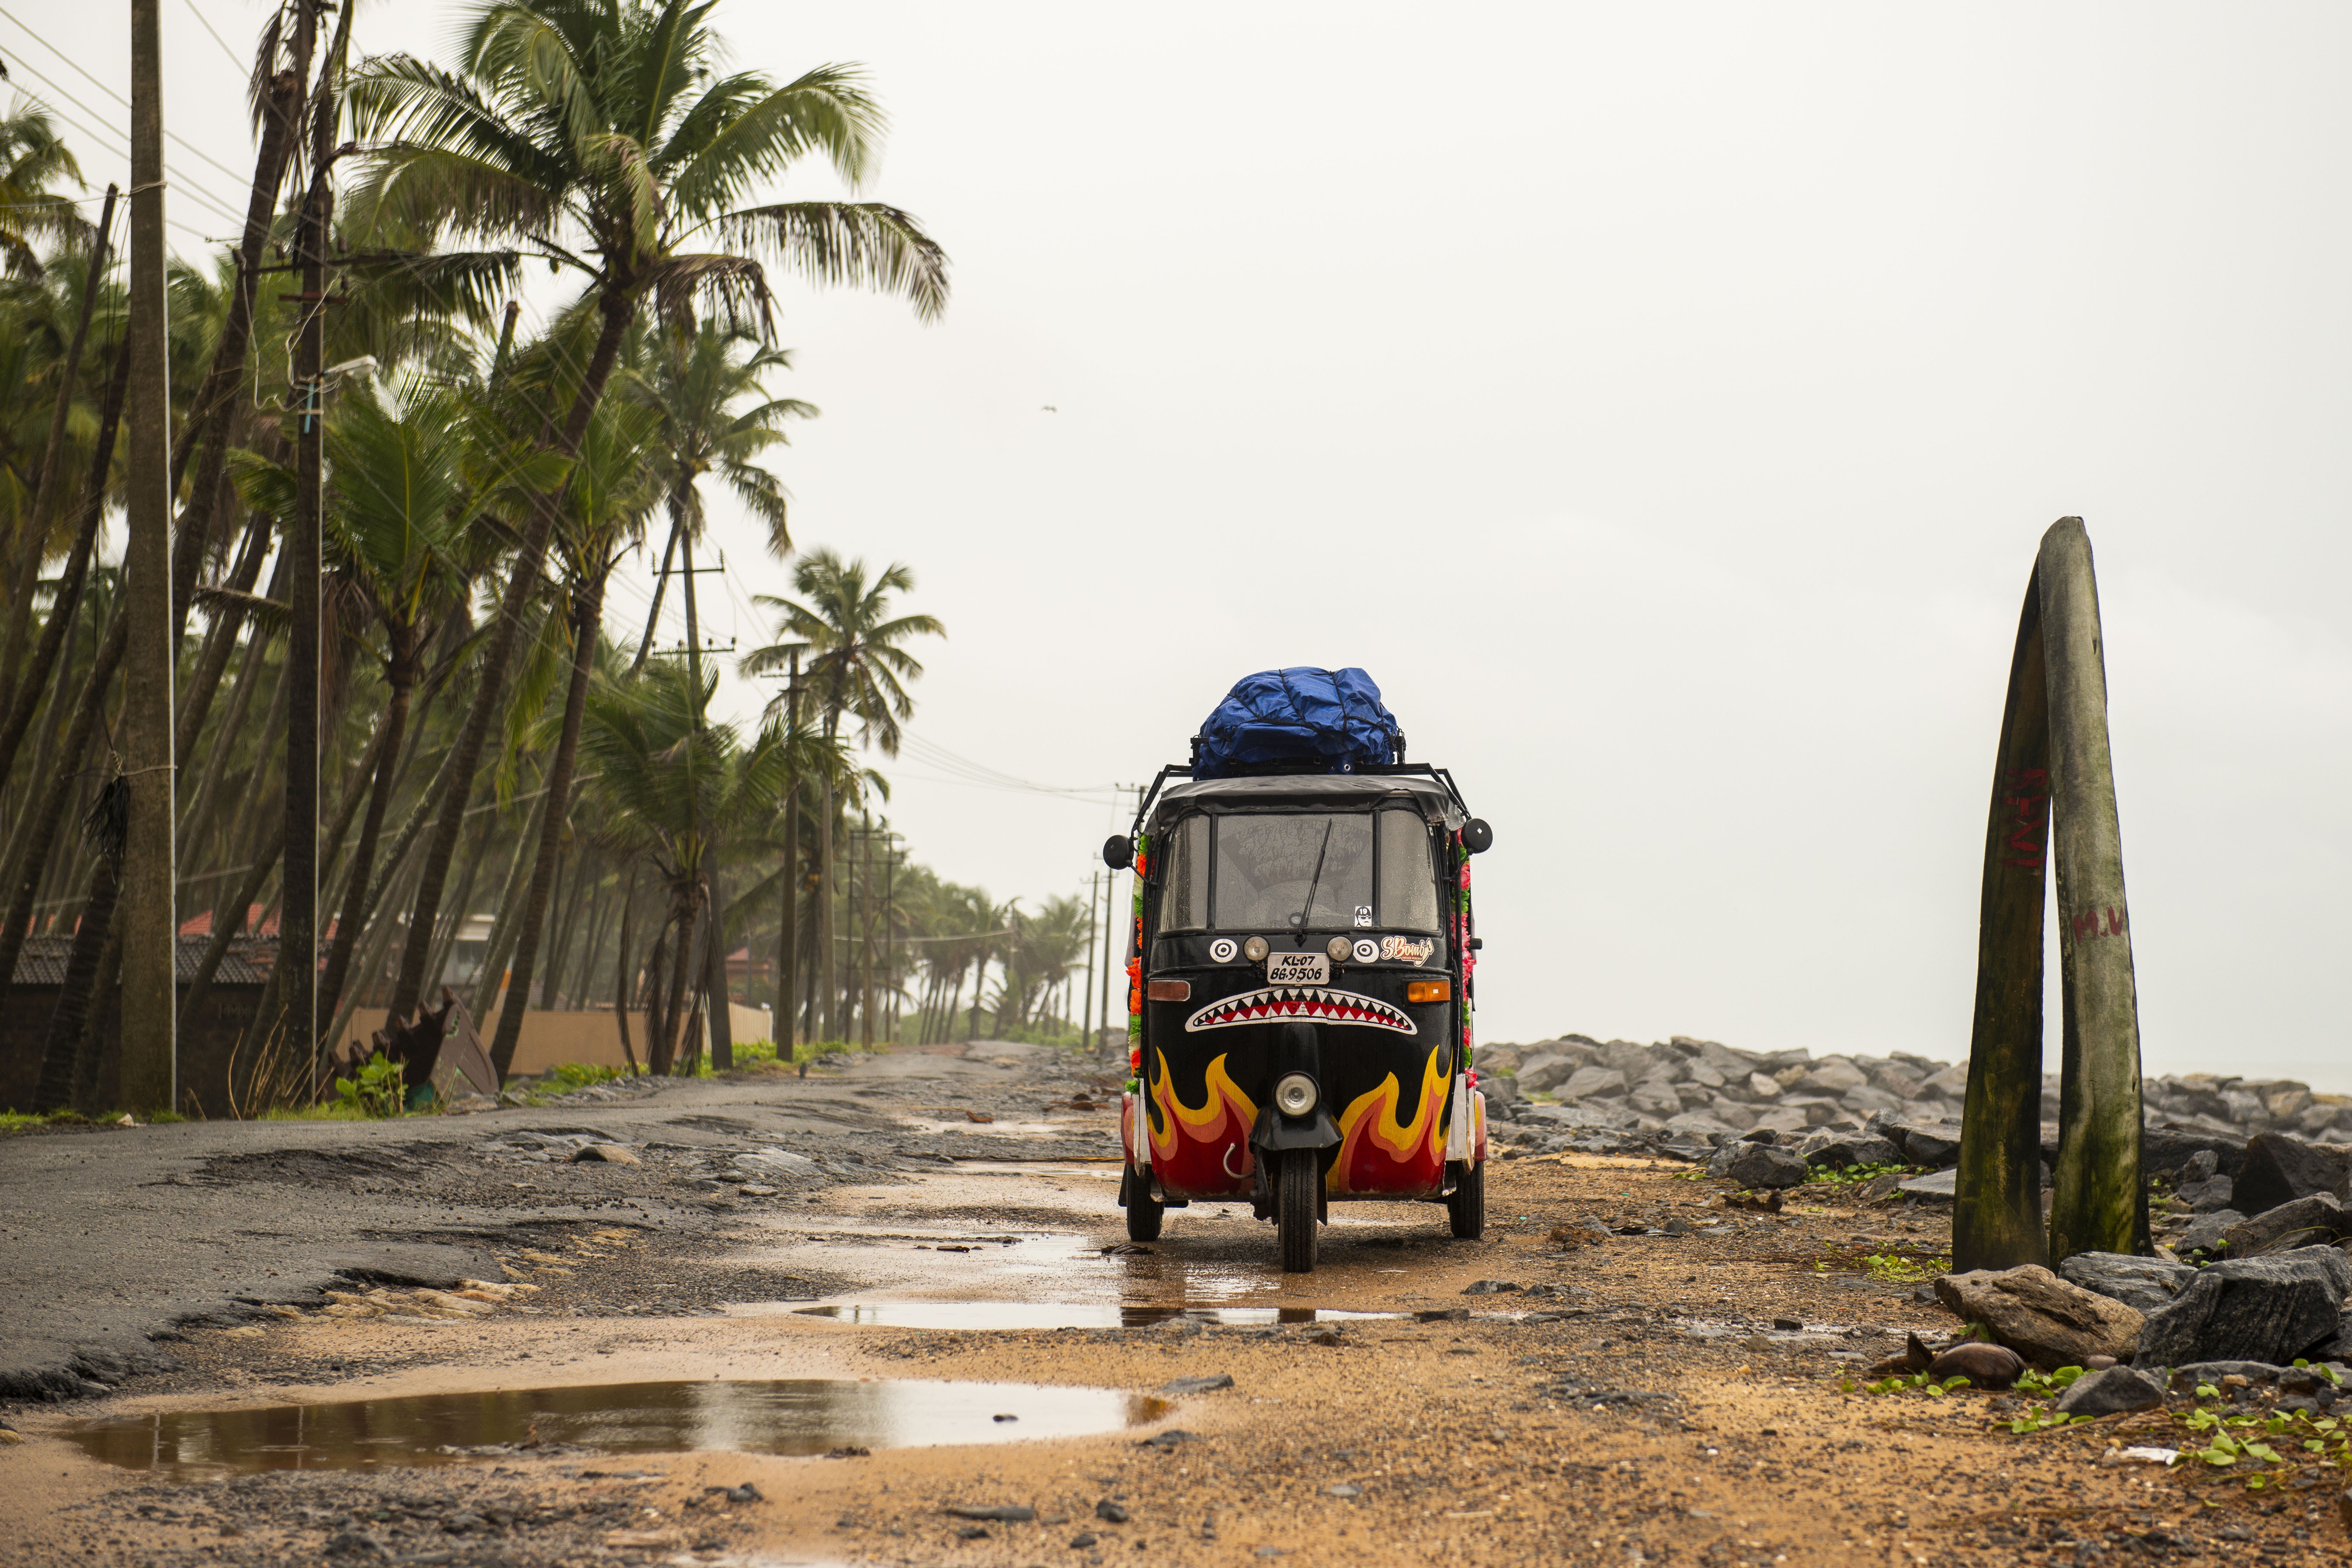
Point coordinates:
[(1274, 1131)]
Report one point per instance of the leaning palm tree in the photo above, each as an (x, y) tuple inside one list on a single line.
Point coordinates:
[(701, 385), (847, 642), (597, 134)]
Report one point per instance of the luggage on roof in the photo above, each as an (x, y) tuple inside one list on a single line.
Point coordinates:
[(1297, 721)]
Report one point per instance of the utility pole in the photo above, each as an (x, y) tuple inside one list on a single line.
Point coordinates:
[(1086, 997), (788, 990), (297, 921), (149, 992)]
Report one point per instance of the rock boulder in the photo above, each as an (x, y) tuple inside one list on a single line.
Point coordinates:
[(2270, 1310), (2112, 1392), (2318, 1220), (2278, 1169), (1755, 1164), (2043, 1317), (2144, 1284)]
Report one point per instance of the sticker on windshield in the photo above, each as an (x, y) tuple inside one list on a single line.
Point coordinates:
[(1222, 951), (1276, 1004), (1363, 916), (1297, 969), (1406, 949)]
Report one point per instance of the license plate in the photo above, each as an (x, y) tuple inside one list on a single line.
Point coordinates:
[(1297, 969)]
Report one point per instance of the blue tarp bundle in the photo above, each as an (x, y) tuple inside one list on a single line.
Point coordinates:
[(1281, 720)]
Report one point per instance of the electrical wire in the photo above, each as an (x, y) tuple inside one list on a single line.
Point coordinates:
[(110, 92), (207, 26)]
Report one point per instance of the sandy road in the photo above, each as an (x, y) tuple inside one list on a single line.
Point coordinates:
[(1631, 1402)]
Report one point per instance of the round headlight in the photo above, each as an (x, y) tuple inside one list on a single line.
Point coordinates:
[(1254, 950), (1295, 1094), (1339, 947)]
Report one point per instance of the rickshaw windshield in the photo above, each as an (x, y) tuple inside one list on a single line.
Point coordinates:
[(1299, 872)]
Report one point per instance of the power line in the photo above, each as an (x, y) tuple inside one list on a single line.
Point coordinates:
[(207, 26), (118, 98), (185, 184)]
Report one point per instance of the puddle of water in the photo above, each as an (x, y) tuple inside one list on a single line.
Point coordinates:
[(803, 1416), (1062, 1314)]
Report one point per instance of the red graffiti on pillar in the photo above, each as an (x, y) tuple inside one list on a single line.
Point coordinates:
[(2088, 923), (2026, 792)]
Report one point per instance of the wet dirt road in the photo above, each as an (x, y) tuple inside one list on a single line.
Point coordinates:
[(838, 1313)]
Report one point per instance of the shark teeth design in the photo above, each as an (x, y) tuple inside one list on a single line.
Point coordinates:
[(1282, 1002)]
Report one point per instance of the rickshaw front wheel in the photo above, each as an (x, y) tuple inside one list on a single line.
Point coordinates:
[(1294, 1208), (1465, 1207), (1144, 1214)]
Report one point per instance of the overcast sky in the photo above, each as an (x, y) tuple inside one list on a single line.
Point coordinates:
[(1663, 404)]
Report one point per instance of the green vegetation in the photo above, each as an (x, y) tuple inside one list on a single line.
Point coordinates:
[(378, 1090)]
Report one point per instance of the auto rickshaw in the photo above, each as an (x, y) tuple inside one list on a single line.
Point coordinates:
[(1299, 991)]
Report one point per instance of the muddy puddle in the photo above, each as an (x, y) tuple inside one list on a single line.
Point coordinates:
[(790, 1417), (1058, 1314)]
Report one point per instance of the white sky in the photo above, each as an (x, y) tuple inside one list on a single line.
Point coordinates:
[(1663, 404)]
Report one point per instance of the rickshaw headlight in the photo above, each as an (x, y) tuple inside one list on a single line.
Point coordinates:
[(1339, 947), (1295, 1094), (1254, 950)]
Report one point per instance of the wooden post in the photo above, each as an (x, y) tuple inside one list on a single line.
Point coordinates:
[(2053, 754), (2100, 1196), (150, 1017), (1997, 1221)]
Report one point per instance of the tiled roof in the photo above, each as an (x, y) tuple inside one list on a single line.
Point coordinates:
[(43, 961)]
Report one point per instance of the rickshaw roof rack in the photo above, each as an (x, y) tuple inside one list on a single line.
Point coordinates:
[(1304, 781)]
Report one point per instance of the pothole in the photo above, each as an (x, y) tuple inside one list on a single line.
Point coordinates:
[(1061, 1314), (790, 1417)]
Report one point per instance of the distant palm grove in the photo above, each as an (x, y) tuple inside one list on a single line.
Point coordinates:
[(517, 797)]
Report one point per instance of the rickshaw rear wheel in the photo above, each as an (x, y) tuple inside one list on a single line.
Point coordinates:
[(1294, 1209), (1144, 1214), (1465, 1207)]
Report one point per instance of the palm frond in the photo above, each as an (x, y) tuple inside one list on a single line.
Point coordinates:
[(862, 245)]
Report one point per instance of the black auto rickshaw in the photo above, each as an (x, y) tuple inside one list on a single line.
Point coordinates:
[(1299, 986)]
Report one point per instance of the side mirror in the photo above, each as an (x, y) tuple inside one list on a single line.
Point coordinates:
[(1476, 837), (1119, 852)]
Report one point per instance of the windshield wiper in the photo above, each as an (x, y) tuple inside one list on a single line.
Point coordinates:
[(1299, 920)]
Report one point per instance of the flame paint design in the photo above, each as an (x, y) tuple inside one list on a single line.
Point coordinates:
[(1378, 1153), (1196, 1150)]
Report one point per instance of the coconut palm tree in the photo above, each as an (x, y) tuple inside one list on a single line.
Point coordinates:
[(33, 163), (610, 494), (675, 787), (700, 385), (848, 646), (599, 135)]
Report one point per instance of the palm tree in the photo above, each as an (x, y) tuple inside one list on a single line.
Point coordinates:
[(33, 162), (699, 384), (847, 644), (597, 134), (606, 502), (675, 787)]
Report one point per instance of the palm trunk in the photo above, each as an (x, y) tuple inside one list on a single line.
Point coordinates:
[(28, 858), (225, 931), (661, 588), (36, 516), (69, 1037), (588, 616), (619, 310), (787, 927), (498, 954), (621, 998), (400, 675), (195, 826), (656, 1021)]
